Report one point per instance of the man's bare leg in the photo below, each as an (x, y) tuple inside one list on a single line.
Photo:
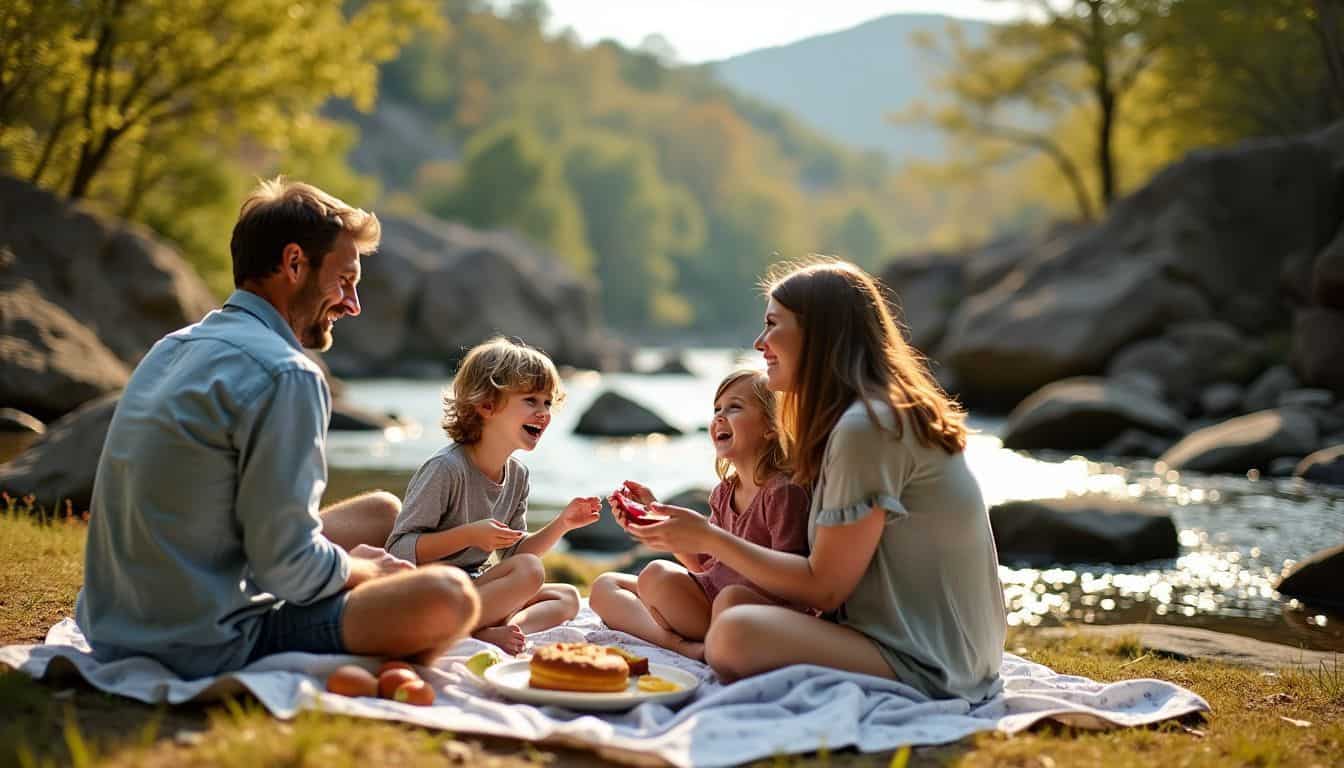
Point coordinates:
[(418, 614), (363, 519)]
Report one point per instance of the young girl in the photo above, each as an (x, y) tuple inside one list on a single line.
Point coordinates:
[(470, 499), (902, 561), (673, 606)]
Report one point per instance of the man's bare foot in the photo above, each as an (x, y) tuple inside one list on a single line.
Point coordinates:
[(510, 638)]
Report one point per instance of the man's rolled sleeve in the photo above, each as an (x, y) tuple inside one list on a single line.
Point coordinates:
[(282, 473)]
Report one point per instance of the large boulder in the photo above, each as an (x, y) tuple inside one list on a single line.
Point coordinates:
[(61, 465), (606, 535), (1263, 393), (435, 289), (1325, 466), (1207, 238), (1327, 275), (1190, 357), (1316, 348), (1247, 442), (925, 289), (50, 363), (128, 288), (1086, 413), (18, 430), (1082, 530), (614, 415), (1317, 580)]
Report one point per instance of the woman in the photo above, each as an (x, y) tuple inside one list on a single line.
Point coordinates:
[(902, 561)]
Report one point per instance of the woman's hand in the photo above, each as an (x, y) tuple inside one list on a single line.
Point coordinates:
[(580, 512), (490, 534), (684, 530), (638, 492)]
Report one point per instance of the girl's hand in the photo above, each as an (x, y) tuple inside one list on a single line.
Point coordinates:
[(582, 511), (638, 492), (490, 534), (684, 530)]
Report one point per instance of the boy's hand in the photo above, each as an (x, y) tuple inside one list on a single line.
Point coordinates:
[(582, 511), (490, 534)]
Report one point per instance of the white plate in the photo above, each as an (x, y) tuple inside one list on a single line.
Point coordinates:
[(510, 679)]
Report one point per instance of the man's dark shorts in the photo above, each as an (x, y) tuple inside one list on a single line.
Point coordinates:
[(312, 628)]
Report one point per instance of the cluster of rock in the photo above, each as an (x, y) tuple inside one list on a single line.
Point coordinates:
[(1197, 324)]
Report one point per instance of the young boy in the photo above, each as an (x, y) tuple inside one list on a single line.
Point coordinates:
[(470, 498)]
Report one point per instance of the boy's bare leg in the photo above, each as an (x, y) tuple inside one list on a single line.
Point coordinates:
[(364, 519), (506, 588), (747, 640), (736, 594), (675, 599), (553, 605), (419, 613), (615, 598)]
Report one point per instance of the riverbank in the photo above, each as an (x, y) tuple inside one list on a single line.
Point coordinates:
[(1287, 716)]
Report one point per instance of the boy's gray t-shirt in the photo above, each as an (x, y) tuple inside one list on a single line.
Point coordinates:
[(930, 598), (448, 491)]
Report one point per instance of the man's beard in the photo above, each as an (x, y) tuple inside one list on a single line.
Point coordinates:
[(313, 333)]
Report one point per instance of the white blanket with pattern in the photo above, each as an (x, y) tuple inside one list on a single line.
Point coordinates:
[(792, 710)]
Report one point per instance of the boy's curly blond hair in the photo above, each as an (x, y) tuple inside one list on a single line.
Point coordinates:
[(489, 373)]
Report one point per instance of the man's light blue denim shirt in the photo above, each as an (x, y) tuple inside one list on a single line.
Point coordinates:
[(205, 505)]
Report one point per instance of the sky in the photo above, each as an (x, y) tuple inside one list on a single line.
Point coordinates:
[(707, 30)]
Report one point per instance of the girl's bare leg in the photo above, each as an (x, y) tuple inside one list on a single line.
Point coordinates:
[(551, 606), (747, 640), (505, 589), (675, 599), (615, 597)]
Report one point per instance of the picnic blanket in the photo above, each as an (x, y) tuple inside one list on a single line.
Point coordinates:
[(791, 710)]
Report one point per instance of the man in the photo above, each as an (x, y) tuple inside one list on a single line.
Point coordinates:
[(206, 547)]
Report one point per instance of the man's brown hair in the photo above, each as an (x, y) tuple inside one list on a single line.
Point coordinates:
[(852, 350), (280, 212)]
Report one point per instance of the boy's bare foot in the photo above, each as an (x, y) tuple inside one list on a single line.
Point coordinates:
[(511, 639)]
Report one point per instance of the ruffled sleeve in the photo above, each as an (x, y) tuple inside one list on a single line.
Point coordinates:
[(864, 466)]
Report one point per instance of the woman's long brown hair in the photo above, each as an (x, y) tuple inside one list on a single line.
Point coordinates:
[(851, 349)]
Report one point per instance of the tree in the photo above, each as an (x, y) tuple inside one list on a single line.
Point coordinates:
[(134, 76), (1010, 93)]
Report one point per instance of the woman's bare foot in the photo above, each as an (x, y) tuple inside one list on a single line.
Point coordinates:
[(691, 649), (510, 638)]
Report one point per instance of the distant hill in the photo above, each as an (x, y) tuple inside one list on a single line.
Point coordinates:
[(844, 83)]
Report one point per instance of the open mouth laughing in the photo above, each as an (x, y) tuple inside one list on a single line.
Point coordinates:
[(534, 430)]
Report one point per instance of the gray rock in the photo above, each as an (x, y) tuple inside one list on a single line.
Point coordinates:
[(1316, 345), (606, 535), (1135, 443), (673, 364), (62, 464), (924, 290), (691, 498), (1219, 351), (614, 415), (1244, 443), (1307, 399), (49, 362), (1325, 466), (1085, 413), (346, 417), (1221, 399), (1317, 580), (1194, 643), (1082, 530), (1160, 360), (1327, 275), (14, 421), (1263, 393), (116, 279), (1140, 381)]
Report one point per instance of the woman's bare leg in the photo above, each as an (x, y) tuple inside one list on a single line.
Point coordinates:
[(363, 519), (747, 640), (736, 594), (675, 599), (615, 598), (505, 588), (553, 605)]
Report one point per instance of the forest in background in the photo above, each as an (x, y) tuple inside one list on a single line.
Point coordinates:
[(672, 191)]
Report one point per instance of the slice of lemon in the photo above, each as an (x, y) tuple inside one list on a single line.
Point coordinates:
[(655, 684)]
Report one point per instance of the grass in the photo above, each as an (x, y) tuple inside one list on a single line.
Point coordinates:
[(1258, 717)]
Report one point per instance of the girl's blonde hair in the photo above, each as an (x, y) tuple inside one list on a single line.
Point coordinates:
[(774, 459), (851, 349), (489, 373)]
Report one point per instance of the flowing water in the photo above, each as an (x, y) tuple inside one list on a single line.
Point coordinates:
[(1237, 534)]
